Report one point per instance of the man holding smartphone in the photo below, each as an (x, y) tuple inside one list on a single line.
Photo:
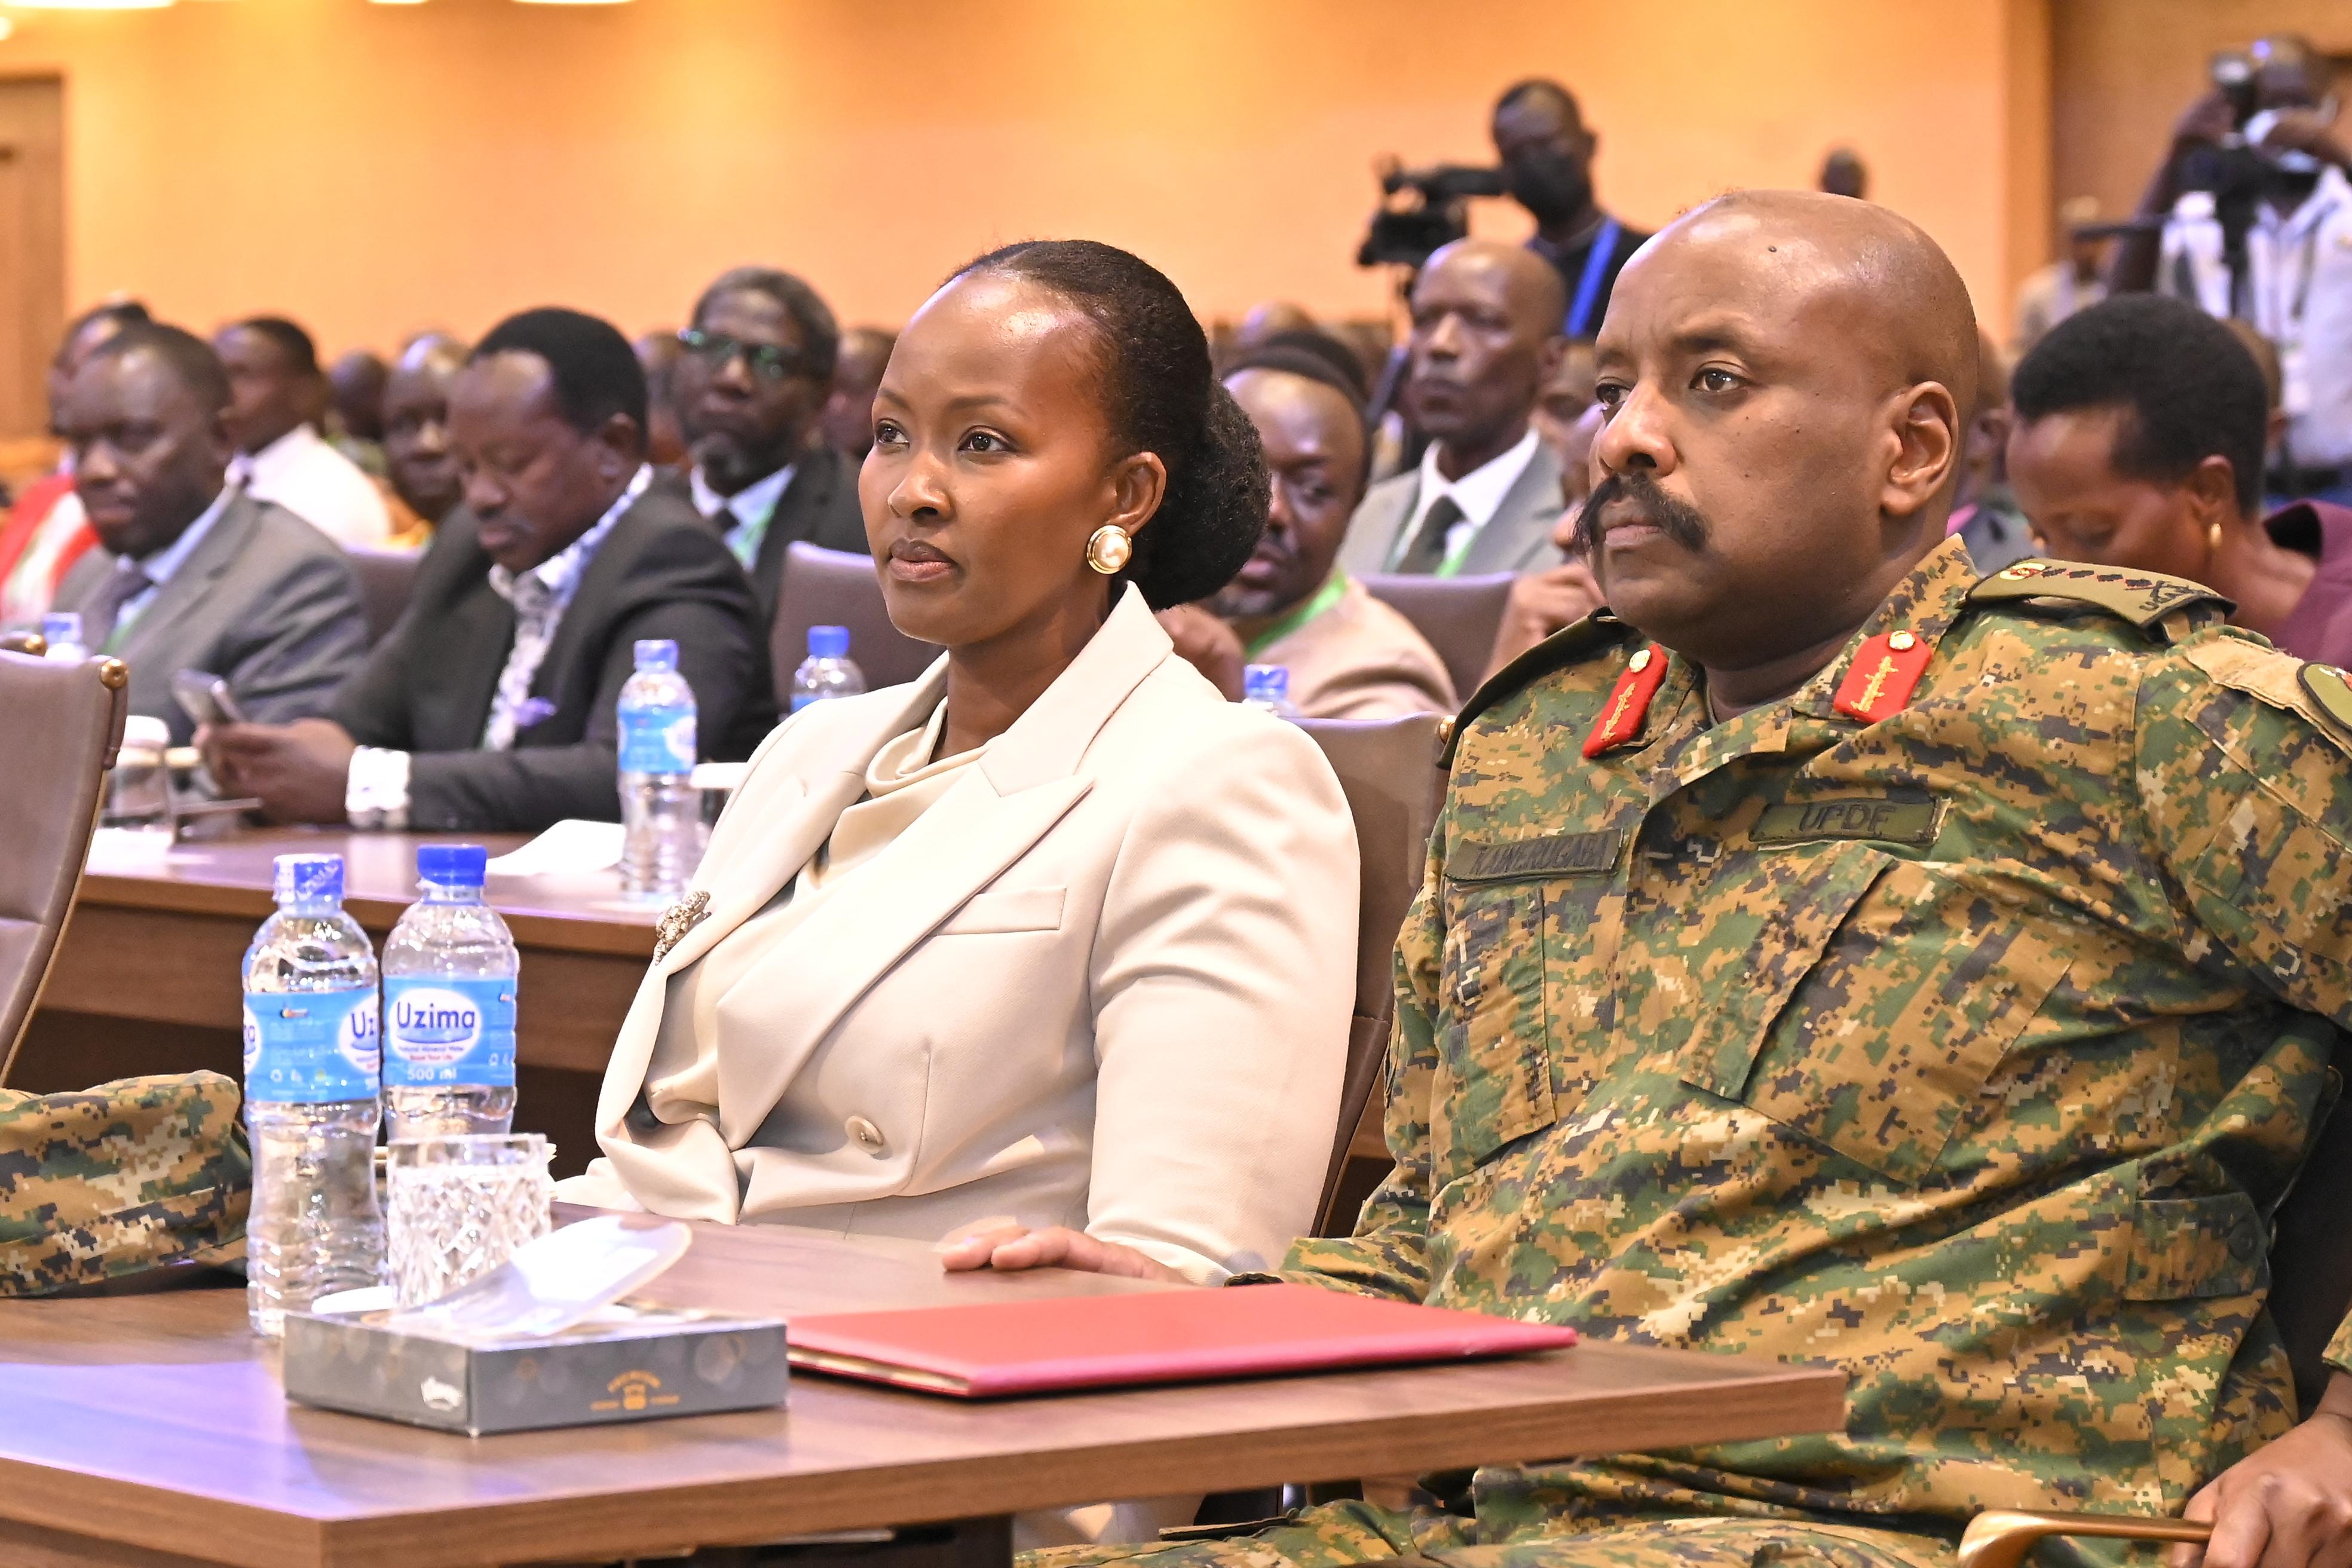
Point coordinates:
[(192, 572)]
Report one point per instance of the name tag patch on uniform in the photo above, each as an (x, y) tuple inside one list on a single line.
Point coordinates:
[(1914, 822), (1533, 859)]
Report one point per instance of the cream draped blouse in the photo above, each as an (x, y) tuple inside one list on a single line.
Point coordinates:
[(901, 784)]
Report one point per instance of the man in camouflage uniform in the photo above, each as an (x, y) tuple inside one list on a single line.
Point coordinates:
[(1860, 963)]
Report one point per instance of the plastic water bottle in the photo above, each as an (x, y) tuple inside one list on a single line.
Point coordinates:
[(450, 981), (311, 1058), (661, 815), (61, 630), (828, 670), (1267, 686)]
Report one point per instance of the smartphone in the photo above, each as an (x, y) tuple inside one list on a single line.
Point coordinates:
[(204, 697)]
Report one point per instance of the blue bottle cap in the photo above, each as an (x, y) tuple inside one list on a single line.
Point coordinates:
[(656, 654), (452, 864), (308, 879), (62, 625), (828, 642), (1265, 683)]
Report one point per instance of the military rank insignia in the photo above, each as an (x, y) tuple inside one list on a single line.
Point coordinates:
[(1879, 680), (1628, 707)]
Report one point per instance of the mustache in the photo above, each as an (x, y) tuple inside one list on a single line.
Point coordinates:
[(1679, 520)]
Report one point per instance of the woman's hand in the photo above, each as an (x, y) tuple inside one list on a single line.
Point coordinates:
[(1007, 1246)]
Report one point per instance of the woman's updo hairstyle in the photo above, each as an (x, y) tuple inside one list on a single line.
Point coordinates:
[(1162, 397)]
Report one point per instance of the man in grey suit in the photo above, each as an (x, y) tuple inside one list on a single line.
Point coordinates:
[(1485, 337), (193, 573)]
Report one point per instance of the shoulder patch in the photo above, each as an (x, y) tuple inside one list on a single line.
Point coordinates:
[(2327, 686), (1571, 645), (2319, 692), (2144, 598)]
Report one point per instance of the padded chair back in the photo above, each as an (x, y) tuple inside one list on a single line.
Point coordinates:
[(1459, 616), (387, 578), (835, 588), (2311, 1267), (76, 708), (1388, 769)]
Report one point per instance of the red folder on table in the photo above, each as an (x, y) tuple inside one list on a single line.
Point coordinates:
[(1159, 1336)]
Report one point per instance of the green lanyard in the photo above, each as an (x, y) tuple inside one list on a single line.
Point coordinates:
[(1325, 597)]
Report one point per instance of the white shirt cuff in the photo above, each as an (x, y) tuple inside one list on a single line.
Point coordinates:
[(375, 794)]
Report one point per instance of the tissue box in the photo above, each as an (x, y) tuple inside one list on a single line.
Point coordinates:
[(624, 1364)]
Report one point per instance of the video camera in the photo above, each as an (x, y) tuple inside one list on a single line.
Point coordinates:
[(1421, 209)]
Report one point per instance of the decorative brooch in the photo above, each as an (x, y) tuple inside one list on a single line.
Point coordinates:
[(678, 919)]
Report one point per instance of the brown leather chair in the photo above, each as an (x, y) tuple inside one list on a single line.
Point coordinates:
[(2311, 1290), (835, 588), (1459, 616), (387, 578), (78, 711), (1388, 769)]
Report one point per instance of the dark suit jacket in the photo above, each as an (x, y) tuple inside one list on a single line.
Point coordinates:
[(427, 688), (819, 506), (263, 600)]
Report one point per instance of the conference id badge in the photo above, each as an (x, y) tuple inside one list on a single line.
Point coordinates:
[(449, 1031), (2294, 379), (311, 1048), (657, 740)]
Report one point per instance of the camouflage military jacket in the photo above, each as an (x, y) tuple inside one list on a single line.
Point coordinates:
[(1967, 1049)]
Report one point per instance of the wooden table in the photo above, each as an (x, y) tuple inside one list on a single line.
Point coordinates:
[(151, 1430), (166, 942), (147, 977)]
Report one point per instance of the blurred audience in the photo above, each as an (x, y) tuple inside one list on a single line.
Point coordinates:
[(45, 531), (191, 574), (2072, 282), (419, 468), (1985, 514), (2138, 443), (1562, 403), (1546, 151), (1485, 337), (354, 424), (756, 374), (491, 706), (848, 422), (1551, 598), (277, 397), (657, 354), (1348, 655), (2256, 216), (1265, 320)]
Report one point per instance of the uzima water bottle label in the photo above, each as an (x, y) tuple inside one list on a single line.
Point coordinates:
[(311, 1048), (657, 740), (449, 1031)]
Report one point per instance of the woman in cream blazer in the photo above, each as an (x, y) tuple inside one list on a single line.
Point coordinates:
[(1096, 972)]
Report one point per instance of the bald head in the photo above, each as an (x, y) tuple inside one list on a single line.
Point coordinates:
[(1485, 333), (1787, 373), (417, 458)]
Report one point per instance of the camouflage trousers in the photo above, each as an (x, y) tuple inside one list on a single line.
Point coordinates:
[(1343, 1534)]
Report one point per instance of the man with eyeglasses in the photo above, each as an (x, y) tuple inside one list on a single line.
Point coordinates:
[(748, 390)]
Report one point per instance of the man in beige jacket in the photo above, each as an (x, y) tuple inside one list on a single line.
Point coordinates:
[(1348, 655)]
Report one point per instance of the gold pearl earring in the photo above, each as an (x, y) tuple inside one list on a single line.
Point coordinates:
[(2212, 538), (1109, 548)]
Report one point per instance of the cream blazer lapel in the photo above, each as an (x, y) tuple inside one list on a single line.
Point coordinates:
[(1026, 783), (784, 811)]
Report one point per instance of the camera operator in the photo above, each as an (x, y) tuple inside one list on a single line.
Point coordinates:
[(1546, 152), (2256, 223)]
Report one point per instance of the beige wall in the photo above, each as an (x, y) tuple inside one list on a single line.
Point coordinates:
[(2123, 71), (372, 169)]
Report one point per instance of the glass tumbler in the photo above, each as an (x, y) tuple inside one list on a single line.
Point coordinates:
[(458, 1207)]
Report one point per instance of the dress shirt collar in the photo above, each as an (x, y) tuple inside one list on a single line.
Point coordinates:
[(160, 566), (1479, 493), (552, 580), (290, 450), (755, 501)]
